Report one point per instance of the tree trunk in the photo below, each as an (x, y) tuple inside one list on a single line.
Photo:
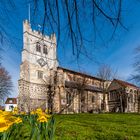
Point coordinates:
[(121, 104)]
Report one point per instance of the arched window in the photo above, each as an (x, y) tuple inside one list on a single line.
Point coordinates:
[(69, 98), (74, 77), (135, 91), (131, 98), (69, 77), (93, 99), (38, 48), (107, 85), (135, 97), (40, 74), (131, 90), (45, 51)]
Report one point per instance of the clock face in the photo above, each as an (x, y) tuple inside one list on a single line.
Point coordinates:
[(41, 62)]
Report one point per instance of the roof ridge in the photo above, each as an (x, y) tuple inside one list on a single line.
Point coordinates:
[(80, 73), (125, 83)]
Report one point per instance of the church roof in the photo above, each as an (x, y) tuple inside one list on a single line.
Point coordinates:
[(80, 73), (124, 83), (73, 84)]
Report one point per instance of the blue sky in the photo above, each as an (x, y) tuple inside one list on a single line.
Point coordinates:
[(119, 53)]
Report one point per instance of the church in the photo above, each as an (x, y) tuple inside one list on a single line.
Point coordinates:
[(44, 84)]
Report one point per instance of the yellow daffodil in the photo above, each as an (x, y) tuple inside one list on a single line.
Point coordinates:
[(15, 111), (42, 119), (4, 124), (33, 112), (7, 119), (22, 113), (48, 116), (2, 119), (3, 127), (6, 114), (46, 111), (18, 120), (39, 111)]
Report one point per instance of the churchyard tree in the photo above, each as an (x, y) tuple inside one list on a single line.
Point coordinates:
[(76, 88), (135, 77), (106, 73), (52, 83), (5, 83)]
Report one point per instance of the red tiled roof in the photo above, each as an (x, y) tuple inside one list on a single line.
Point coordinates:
[(11, 101), (125, 84)]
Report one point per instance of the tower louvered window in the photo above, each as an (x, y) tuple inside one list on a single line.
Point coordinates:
[(40, 75), (38, 47), (45, 51)]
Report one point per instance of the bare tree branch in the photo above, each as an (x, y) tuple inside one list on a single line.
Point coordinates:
[(5, 83)]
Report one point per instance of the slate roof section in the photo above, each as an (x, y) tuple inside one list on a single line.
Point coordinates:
[(73, 84), (80, 73), (11, 101)]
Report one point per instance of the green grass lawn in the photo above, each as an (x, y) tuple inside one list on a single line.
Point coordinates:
[(90, 127), (98, 127)]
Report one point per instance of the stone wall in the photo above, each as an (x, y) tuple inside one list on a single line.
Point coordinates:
[(31, 95)]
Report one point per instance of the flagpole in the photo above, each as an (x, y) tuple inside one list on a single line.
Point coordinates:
[(29, 12)]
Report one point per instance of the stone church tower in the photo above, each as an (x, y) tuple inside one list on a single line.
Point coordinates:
[(44, 84), (38, 63)]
